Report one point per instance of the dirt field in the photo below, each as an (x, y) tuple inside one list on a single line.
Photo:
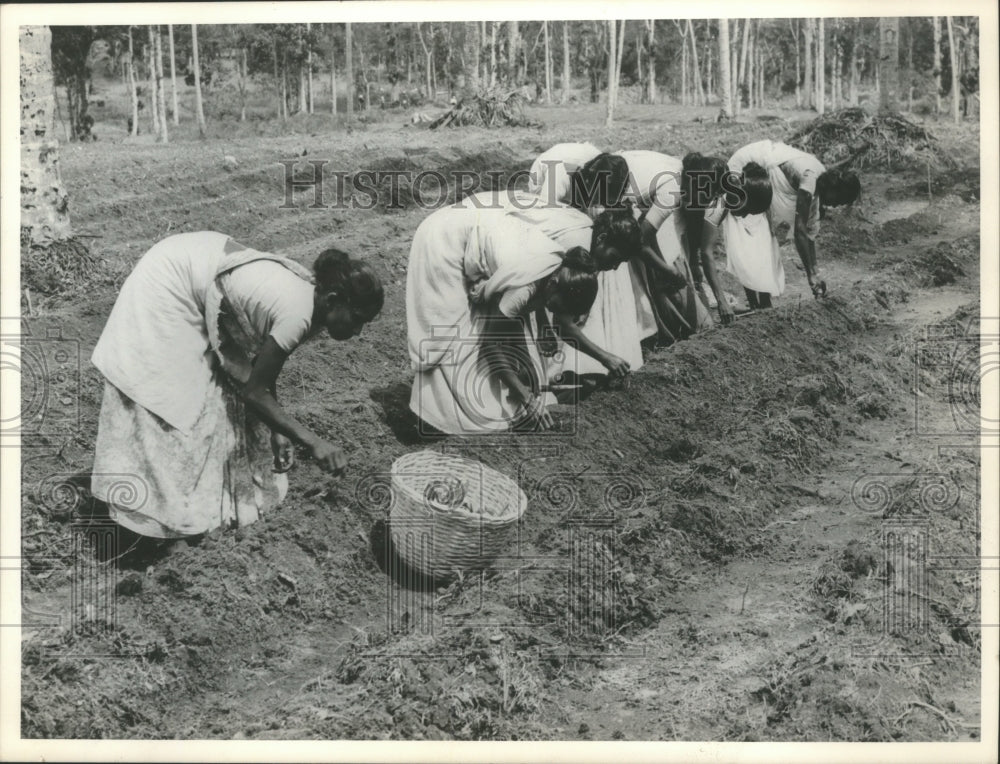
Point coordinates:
[(785, 511)]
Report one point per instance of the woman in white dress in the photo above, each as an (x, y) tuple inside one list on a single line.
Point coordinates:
[(475, 276), (800, 185), (190, 355)]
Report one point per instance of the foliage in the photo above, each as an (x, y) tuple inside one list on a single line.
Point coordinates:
[(858, 139)]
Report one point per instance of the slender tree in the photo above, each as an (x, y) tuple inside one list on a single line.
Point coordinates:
[(198, 105), (160, 94), (133, 92), (349, 69), (566, 84), (725, 73), (309, 65), (513, 51), (493, 52), (956, 96), (651, 60), (612, 70), (807, 83), (821, 66), (154, 98), (548, 63), (333, 72), (888, 71), (695, 67), (936, 69), (173, 73)]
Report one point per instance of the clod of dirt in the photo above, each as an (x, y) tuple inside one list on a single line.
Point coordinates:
[(130, 585)]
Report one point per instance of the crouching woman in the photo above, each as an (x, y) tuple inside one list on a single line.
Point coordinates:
[(191, 353), (474, 279)]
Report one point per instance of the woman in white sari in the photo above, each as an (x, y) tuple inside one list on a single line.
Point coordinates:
[(191, 354), (474, 277), (799, 186)]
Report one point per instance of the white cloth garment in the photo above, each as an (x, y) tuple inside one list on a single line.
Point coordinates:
[(462, 260), (186, 324), (549, 177)]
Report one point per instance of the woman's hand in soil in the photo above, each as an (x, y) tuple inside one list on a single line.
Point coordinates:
[(726, 314), (532, 414), (284, 452), (617, 367), (329, 457)]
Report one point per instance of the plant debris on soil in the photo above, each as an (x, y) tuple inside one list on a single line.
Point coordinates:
[(692, 563), (493, 107), (861, 140)]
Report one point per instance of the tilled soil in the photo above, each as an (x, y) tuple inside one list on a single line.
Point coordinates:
[(771, 534)]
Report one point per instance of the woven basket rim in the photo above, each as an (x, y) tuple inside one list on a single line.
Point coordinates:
[(446, 513)]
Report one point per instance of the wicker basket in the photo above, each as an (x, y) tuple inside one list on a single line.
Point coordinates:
[(436, 538)]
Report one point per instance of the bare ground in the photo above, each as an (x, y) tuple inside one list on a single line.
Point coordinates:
[(753, 584)]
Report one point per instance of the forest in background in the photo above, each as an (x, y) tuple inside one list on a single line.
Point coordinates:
[(924, 65)]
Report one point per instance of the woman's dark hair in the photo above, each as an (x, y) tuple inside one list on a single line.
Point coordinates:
[(599, 182), (756, 191), (701, 179), (837, 187), (574, 283), (338, 275), (620, 230)]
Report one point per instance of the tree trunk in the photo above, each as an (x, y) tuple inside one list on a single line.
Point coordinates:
[(160, 94), (309, 68), (612, 69), (888, 72), (956, 96), (684, 63), (349, 69), (821, 67), (279, 90), (936, 71), (725, 73), (44, 201), (333, 76), (855, 70), (493, 52), (651, 61), (798, 64), (566, 84), (154, 117), (512, 52), (807, 83), (284, 86), (548, 64), (133, 92), (470, 52), (695, 66), (835, 76), (751, 65), (760, 76), (173, 73), (199, 106), (243, 84)]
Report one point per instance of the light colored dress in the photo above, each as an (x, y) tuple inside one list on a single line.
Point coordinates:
[(177, 452), (752, 242), (549, 177), (464, 263), (654, 187), (608, 324)]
